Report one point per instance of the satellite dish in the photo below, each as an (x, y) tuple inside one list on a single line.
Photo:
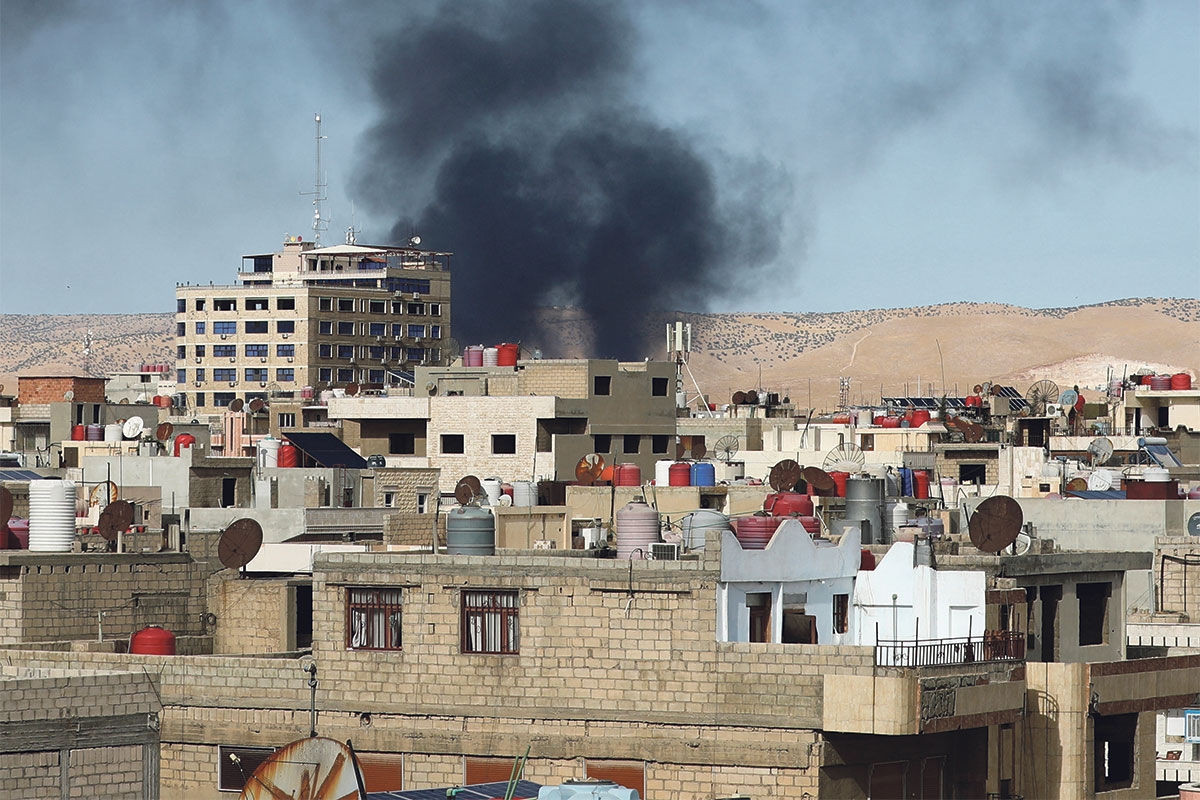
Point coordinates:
[(699, 450), (414, 240), (240, 543), (822, 482), (727, 447), (589, 468), (1193, 524), (739, 398), (1040, 396), (6, 506), (313, 768), (102, 493), (1077, 485), (1068, 398), (256, 405), (996, 523), (431, 388), (467, 490), (785, 475), (1100, 481), (1100, 450), (124, 401), (1022, 544), (845, 458), (116, 517), (505, 501), (237, 404), (351, 389), (163, 431), (68, 395), (971, 431), (133, 427)]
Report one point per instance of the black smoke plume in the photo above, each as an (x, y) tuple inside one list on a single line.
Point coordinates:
[(550, 187)]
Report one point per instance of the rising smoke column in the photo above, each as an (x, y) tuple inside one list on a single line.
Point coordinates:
[(548, 185)]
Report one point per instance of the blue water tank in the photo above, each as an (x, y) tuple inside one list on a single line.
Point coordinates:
[(704, 474)]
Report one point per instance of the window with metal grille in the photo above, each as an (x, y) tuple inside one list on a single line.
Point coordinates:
[(373, 618), (1191, 725), (490, 622), (841, 613), (232, 773)]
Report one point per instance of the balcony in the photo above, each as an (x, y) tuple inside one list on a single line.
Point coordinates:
[(995, 646)]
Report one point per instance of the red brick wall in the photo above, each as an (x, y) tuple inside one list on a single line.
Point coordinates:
[(51, 390)]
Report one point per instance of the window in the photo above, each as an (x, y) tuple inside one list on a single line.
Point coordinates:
[(200, 399), (181, 306), (285, 303), (256, 374), (345, 351), (659, 444), (223, 399), (257, 304), (658, 387), (1093, 612), (452, 443), (325, 303), (285, 375), (285, 350), (415, 354), (345, 328), (325, 351), (225, 350), (377, 329), (232, 775), (257, 326), (397, 329), (490, 622), (972, 474), (200, 377), (416, 330), (375, 376), (841, 613), (376, 352), (325, 327), (224, 328), (631, 442), (257, 351), (200, 350), (181, 375), (181, 351), (181, 328), (224, 374), (435, 331), (759, 606), (225, 304), (285, 326), (416, 308), (325, 374), (504, 444), (435, 309), (402, 444), (602, 384), (345, 304), (377, 307), (200, 328), (398, 307), (396, 353), (423, 502), (345, 375), (373, 618), (1114, 739), (200, 304), (287, 419), (601, 443)]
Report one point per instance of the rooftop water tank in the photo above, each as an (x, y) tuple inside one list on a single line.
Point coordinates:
[(637, 529), (51, 516), (755, 531), (268, 452), (524, 494), (470, 531), (699, 523), (154, 641), (587, 790)]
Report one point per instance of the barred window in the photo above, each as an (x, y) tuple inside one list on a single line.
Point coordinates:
[(490, 622), (373, 618)]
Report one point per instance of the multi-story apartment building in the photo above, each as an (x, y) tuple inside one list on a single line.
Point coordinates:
[(310, 316)]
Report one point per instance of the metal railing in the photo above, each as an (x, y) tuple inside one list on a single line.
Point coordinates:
[(995, 646)]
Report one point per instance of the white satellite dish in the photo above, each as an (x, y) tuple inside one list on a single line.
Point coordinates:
[(133, 427), (1022, 543), (505, 501), (1100, 481), (1100, 450), (68, 395), (414, 240)]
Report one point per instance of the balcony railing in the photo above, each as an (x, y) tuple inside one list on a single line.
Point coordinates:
[(996, 646)]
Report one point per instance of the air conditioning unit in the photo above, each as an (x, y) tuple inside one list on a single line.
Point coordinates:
[(353, 360), (263, 384), (223, 337), (286, 335), (196, 383), (263, 359), (290, 359), (233, 359), (398, 338), (664, 551), (416, 295), (232, 384), (199, 360)]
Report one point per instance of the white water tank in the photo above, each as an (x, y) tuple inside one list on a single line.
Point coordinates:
[(113, 432), (524, 494), (494, 488), (268, 452), (51, 516), (662, 472), (587, 790)]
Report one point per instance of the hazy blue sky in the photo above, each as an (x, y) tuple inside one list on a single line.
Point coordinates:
[(892, 154)]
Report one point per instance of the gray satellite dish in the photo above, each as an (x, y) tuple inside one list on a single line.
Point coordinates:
[(1100, 450), (1193, 524)]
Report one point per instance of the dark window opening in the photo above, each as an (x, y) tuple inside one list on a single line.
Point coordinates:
[(257, 304), (228, 492), (504, 444), (286, 304), (658, 387), (224, 304), (602, 385), (1050, 596), (759, 604), (402, 444), (631, 443), (841, 613), (452, 443), (345, 304), (304, 616), (799, 628), (972, 473), (1093, 612), (602, 443), (232, 775), (1114, 753), (659, 444)]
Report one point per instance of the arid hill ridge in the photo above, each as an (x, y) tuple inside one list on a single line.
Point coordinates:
[(883, 351)]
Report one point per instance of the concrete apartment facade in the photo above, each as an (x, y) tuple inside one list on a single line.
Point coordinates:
[(311, 316)]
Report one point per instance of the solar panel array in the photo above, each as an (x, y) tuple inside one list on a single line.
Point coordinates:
[(525, 790), (1016, 401), (327, 450), (19, 475), (1162, 455)]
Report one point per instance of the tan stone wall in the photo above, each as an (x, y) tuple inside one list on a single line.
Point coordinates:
[(30, 775), (405, 483), (253, 616), (1180, 589), (38, 693), (114, 772), (188, 771), (555, 378), (413, 530)]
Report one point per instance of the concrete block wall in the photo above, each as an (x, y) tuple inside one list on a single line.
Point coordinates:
[(253, 616), (33, 775), (1178, 585), (405, 483), (412, 529), (477, 419), (114, 772), (554, 379)]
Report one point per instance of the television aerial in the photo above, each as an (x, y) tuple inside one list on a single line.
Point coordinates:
[(727, 447), (240, 543), (845, 458), (995, 523), (1040, 396), (1100, 451), (589, 468)]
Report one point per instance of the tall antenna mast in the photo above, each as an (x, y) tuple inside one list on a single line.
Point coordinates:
[(318, 193)]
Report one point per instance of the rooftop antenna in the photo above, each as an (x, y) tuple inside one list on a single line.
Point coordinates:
[(679, 348), (318, 193)]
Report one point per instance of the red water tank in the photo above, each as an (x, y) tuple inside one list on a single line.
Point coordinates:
[(1181, 381), (153, 641), (1146, 380), (920, 484), (184, 440), (289, 455), (919, 417), (19, 528), (811, 524), (785, 504), (506, 489), (866, 561), (841, 419), (78, 433), (507, 354), (839, 478), (679, 474), (627, 475), (888, 422), (754, 532)]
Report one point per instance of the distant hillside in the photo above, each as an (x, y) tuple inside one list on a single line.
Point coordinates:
[(882, 351)]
